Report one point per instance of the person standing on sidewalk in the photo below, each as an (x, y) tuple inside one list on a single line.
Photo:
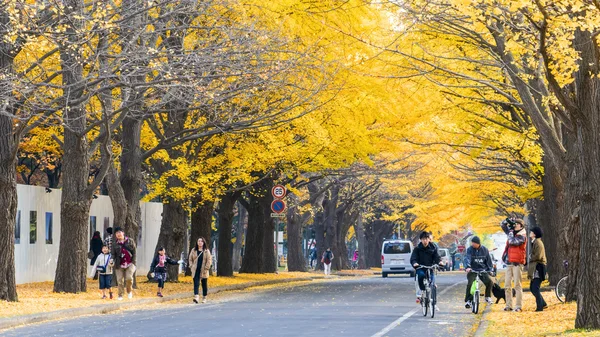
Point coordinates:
[(104, 266), (200, 262), (515, 257), (124, 254), (158, 269), (536, 270), (108, 240), (478, 259), (326, 260)]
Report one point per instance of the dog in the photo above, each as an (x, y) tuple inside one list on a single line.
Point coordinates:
[(499, 292)]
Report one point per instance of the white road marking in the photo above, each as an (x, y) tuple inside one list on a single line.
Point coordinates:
[(404, 317)]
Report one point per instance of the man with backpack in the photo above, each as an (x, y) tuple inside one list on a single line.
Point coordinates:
[(326, 260), (124, 254)]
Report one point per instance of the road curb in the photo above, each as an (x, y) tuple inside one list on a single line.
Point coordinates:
[(483, 322), (11, 322)]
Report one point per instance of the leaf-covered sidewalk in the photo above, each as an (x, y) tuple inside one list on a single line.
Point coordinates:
[(38, 297)]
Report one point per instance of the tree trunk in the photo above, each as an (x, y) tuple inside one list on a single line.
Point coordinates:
[(76, 198), (360, 237), (131, 174), (319, 225), (202, 220), (173, 230), (295, 261), (225, 212), (8, 205), (260, 227), (239, 237)]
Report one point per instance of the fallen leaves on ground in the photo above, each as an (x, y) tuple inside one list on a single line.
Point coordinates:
[(38, 297)]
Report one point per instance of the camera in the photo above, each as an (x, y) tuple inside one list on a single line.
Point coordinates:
[(511, 223)]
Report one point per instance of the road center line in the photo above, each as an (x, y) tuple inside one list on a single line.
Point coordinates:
[(402, 318)]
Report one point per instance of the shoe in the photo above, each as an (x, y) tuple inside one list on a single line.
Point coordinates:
[(159, 294), (111, 296), (130, 295), (489, 300), (468, 305), (204, 299), (120, 298), (196, 299), (508, 309), (103, 297), (538, 310), (518, 310), (418, 300)]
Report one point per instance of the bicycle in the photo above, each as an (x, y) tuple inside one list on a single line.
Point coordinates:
[(475, 292), (561, 287), (429, 295)]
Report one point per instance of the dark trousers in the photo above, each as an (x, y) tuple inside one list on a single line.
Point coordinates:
[(161, 283), (534, 286), (204, 282), (485, 278)]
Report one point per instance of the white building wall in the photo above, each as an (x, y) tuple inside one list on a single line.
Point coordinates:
[(36, 262)]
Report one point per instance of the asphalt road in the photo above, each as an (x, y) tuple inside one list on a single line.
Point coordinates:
[(371, 307)]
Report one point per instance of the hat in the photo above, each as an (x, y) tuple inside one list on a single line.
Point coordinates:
[(538, 232), (476, 240)]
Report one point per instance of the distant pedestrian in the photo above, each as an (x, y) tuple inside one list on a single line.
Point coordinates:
[(124, 254), (108, 239), (537, 267), (313, 257), (326, 260), (158, 269), (355, 259), (95, 247), (200, 262), (104, 266)]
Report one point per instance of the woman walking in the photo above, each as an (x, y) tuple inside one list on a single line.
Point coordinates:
[(200, 262), (537, 267), (95, 250)]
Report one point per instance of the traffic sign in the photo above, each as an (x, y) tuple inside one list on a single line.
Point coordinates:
[(279, 191), (277, 215), (278, 206)]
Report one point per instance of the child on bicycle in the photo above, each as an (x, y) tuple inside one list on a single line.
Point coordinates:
[(425, 254), (476, 260)]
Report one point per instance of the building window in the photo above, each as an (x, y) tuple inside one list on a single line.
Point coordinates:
[(32, 227), (92, 226), (48, 228), (18, 228)]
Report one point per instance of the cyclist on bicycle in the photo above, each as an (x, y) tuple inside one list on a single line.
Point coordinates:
[(425, 254), (476, 260)]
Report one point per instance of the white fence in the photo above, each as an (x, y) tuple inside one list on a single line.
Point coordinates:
[(37, 234)]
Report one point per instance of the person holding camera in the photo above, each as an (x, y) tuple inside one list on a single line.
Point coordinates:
[(515, 258)]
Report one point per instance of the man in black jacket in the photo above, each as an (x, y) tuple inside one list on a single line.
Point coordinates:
[(425, 254), (478, 259)]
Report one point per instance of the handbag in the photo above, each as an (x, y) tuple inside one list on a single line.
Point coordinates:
[(91, 255)]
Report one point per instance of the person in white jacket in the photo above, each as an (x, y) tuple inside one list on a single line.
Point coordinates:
[(104, 265)]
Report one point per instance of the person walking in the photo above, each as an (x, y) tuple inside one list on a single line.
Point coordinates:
[(476, 260), (108, 240), (124, 254), (515, 257), (104, 266), (200, 262), (536, 270), (313, 257), (326, 260), (158, 269), (95, 249)]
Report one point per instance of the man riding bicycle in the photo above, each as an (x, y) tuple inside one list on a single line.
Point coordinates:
[(425, 254), (478, 260)]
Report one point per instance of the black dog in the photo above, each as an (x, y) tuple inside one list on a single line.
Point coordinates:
[(500, 294)]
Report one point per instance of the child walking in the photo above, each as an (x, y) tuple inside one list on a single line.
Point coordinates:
[(104, 266), (158, 269)]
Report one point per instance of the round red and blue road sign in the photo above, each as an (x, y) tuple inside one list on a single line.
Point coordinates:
[(278, 206)]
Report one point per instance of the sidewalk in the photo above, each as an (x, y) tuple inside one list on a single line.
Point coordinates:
[(38, 303)]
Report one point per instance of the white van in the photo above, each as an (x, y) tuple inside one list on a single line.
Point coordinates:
[(395, 257)]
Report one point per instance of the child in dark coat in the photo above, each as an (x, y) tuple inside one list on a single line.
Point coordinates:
[(158, 269)]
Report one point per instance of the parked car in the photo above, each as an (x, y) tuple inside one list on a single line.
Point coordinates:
[(395, 258), (445, 255)]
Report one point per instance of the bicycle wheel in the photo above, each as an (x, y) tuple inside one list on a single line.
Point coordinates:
[(476, 302), (425, 302), (561, 289), (433, 301)]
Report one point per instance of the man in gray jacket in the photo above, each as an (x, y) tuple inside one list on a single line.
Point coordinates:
[(478, 259)]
